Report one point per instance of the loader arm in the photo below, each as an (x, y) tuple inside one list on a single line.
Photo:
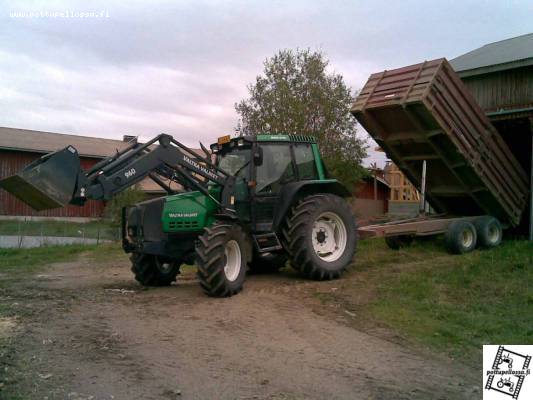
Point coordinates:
[(57, 178)]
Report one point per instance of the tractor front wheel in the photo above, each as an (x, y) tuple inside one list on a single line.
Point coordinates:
[(221, 257), (151, 270), (322, 236)]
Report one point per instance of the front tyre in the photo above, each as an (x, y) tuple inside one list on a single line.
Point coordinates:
[(221, 256), (322, 236), (151, 270)]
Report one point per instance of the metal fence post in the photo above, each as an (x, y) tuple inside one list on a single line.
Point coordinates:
[(18, 233), (422, 207)]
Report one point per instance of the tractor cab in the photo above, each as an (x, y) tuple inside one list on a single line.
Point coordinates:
[(268, 165)]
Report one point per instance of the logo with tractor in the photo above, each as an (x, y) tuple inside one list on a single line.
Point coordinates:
[(508, 372)]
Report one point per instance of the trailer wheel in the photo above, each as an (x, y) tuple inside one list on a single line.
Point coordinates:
[(399, 241), (489, 231), (151, 270), (460, 237), (322, 236), (221, 256), (267, 263)]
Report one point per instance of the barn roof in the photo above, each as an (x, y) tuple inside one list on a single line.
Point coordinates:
[(45, 142), (498, 56)]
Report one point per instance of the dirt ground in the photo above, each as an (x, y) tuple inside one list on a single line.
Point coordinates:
[(87, 330)]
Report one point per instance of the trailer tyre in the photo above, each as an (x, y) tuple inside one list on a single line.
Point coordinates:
[(151, 270), (221, 257), (460, 237), (399, 241), (321, 236), (489, 231)]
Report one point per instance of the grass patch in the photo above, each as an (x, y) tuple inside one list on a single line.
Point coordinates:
[(30, 260), (452, 303), (93, 229)]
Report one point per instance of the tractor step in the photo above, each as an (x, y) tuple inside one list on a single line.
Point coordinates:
[(267, 242)]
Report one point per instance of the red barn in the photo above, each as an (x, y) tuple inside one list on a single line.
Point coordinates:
[(19, 147)]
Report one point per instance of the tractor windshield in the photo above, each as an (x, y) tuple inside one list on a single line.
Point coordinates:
[(235, 161)]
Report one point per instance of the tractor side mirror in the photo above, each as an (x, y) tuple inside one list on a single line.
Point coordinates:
[(258, 156)]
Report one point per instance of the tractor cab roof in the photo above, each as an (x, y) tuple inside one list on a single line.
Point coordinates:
[(227, 142)]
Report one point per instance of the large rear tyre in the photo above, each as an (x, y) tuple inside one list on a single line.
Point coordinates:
[(267, 263), (321, 236), (151, 270), (221, 257)]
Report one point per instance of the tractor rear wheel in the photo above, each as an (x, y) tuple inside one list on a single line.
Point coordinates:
[(267, 263), (221, 257), (151, 270), (321, 236)]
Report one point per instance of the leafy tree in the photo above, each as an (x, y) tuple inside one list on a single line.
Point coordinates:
[(129, 197), (297, 95)]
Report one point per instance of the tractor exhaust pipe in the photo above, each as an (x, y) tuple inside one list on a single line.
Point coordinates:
[(49, 182)]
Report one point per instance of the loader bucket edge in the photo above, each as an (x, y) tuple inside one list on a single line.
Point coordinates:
[(49, 182)]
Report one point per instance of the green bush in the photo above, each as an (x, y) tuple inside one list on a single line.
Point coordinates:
[(129, 197)]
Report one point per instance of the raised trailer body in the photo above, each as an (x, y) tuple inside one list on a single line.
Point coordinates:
[(424, 112)]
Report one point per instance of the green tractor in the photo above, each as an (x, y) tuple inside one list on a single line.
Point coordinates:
[(254, 201)]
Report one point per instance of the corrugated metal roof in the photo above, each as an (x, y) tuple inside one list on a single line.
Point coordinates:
[(45, 142), (505, 54)]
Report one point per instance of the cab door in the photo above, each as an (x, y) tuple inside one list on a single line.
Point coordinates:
[(277, 169)]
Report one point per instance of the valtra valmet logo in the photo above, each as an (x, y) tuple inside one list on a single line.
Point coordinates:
[(183, 215)]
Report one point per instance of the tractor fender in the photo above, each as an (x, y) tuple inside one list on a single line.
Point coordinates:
[(292, 192)]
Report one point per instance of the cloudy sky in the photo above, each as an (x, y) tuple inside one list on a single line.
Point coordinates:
[(141, 68)]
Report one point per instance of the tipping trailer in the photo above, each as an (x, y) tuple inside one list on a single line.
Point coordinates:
[(429, 124)]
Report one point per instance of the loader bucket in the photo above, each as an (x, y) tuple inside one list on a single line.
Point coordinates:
[(49, 182)]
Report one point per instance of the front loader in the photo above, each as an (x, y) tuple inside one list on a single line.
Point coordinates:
[(250, 201)]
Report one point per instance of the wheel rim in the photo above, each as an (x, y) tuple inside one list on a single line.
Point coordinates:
[(329, 236), (164, 267), (232, 251), (493, 233), (467, 238)]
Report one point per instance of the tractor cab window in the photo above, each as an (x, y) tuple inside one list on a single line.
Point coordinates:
[(305, 161), (235, 162), (276, 169)]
